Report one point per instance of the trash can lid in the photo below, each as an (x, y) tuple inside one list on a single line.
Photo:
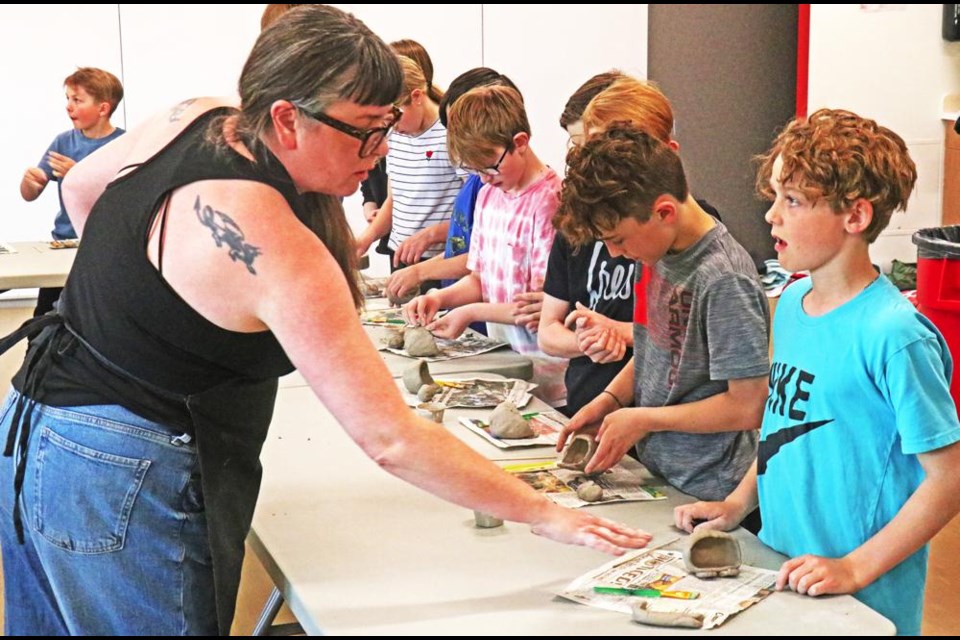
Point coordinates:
[(938, 242)]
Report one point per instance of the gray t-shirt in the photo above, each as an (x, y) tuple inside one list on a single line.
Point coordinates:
[(707, 322)]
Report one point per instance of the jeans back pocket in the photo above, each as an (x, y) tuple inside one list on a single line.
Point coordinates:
[(83, 497)]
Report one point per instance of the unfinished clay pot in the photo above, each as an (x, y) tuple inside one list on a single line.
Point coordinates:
[(432, 411), (506, 422), (394, 339), (417, 375), (712, 554), (418, 342), (578, 453), (643, 615), (427, 392), (403, 299), (589, 491)]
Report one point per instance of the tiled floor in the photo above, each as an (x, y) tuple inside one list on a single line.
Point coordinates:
[(943, 585)]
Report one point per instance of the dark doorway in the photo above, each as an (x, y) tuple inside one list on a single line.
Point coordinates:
[(730, 71)]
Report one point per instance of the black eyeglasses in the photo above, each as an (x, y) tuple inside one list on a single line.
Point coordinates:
[(369, 139), (489, 171)]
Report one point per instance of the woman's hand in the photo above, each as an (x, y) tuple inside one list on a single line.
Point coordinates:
[(579, 527)]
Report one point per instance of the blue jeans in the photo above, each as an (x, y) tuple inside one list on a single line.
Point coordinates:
[(116, 534)]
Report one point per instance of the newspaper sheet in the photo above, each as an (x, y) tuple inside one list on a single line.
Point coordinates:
[(470, 343), (716, 599), (625, 482), (475, 392), (7, 248), (545, 424)]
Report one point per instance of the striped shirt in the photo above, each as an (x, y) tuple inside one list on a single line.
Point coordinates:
[(424, 184)]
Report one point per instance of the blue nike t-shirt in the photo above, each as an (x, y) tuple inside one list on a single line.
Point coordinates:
[(855, 395)]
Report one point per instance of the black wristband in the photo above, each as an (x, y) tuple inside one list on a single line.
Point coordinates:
[(615, 398)]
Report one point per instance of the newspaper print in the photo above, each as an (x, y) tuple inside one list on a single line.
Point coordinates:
[(475, 392), (715, 600), (625, 482)]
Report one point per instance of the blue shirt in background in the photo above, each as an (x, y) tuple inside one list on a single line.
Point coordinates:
[(76, 146)]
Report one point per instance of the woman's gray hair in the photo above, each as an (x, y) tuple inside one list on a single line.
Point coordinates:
[(313, 56)]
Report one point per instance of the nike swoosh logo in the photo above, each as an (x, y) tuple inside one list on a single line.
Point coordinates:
[(775, 441)]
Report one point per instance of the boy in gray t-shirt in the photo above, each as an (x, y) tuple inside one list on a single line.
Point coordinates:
[(699, 378)]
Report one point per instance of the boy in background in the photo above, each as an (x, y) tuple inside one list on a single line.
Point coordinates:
[(92, 97), (699, 378), (489, 136), (858, 459)]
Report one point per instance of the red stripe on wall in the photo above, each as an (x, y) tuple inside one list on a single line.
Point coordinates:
[(803, 58)]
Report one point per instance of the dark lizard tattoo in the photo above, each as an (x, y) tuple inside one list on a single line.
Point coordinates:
[(178, 110), (226, 231)]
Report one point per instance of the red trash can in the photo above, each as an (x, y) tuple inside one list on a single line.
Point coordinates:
[(938, 288)]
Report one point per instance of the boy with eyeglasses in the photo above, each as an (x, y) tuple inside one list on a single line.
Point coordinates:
[(489, 135)]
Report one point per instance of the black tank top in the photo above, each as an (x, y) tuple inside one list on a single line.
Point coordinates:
[(123, 336)]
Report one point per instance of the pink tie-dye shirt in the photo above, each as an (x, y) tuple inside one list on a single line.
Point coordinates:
[(509, 250)]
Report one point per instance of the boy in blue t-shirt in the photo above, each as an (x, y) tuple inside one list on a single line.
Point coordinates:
[(92, 97), (856, 469)]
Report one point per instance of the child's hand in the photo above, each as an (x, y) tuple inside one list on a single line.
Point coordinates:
[(721, 516), (452, 325), (411, 249), (402, 281), (526, 310), (36, 178), (817, 576), (590, 415), (620, 430), (60, 163), (421, 310), (601, 345)]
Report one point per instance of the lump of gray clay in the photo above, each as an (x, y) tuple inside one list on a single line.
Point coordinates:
[(589, 491), (394, 339), (403, 299), (643, 615), (417, 375), (427, 391), (418, 342), (506, 422), (578, 453), (712, 554)]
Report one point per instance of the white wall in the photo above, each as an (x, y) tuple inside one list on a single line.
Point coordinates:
[(40, 45), (166, 53), (890, 64)]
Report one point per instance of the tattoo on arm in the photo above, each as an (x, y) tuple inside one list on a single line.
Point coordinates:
[(226, 232), (178, 110)]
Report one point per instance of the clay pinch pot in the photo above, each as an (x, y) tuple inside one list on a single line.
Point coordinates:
[(578, 453), (418, 342), (417, 375), (394, 339), (432, 411), (403, 299), (712, 554)]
